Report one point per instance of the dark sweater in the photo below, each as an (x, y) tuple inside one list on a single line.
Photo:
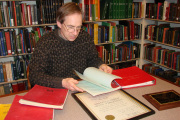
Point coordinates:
[(55, 58)]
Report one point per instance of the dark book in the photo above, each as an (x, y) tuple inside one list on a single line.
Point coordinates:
[(28, 45), (15, 71), (3, 45), (149, 52), (126, 23), (136, 48), (7, 88), (21, 86), (147, 10)]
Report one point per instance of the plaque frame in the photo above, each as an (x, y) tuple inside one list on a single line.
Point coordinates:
[(164, 104)]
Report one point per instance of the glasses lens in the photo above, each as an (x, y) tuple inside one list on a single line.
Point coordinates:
[(72, 29)]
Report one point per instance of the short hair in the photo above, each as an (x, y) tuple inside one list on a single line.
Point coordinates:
[(67, 9)]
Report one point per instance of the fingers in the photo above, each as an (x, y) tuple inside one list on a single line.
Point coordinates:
[(105, 68), (70, 84)]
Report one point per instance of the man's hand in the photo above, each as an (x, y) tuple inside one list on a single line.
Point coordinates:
[(105, 68), (70, 83)]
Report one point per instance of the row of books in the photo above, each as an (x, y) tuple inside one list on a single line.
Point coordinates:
[(14, 13), (15, 70), (110, 53), (163, 33), (164, 10), (9, 88), (109, 32), (169, 75), (17, 13), (95, 10), (116, 9), (23, 42), (47, 10), (163, 56)]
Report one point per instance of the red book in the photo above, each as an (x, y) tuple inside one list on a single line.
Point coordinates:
[(8, 43), (45, 97), (133, 77), (132, 30), (23, 14), (15, 87), (100, 50), (14, 12), (21, 86), (24, 112), (158, 7)]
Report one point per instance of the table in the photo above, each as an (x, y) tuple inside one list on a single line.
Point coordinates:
[(73, 111)]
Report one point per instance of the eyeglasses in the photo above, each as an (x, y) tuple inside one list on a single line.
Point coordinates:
[(71, 28)]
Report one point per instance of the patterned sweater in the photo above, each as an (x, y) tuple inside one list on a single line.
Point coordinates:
[(55, 58)]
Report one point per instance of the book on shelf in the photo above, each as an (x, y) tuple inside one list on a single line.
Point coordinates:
[(18, 111), (97, 82), (41, 96)]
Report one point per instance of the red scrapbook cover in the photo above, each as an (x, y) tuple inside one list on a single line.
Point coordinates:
[(24, 112), (45, 97), (133, 77)]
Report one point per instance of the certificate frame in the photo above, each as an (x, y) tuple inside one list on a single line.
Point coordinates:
[(164, 100), (146, 111)]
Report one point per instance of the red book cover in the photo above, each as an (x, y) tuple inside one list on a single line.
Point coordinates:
[(14, 11), (21, 86), (8, 43), (45, 97), (159, 4), (23, 14), (25, 112), (132, 30), (133, 77), (175, 60), (15, 87), (100, 50)]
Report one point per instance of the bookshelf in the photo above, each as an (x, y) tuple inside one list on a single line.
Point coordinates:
[(164, 61), (14, 21)]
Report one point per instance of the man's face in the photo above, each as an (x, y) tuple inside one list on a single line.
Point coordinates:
[(71, 26)]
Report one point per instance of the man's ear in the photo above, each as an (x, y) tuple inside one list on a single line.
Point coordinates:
[(59, 24)]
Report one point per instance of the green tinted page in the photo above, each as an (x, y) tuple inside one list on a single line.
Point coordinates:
[(96, 82)]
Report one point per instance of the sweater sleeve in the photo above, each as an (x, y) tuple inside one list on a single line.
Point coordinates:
[(38, 67)]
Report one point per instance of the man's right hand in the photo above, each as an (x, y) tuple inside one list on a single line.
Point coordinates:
[(70, 83)]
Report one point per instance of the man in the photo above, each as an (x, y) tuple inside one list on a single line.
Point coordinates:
[(60, 52)]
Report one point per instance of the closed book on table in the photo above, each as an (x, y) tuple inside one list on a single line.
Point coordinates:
[(25, 112), (133, 77), (41, 96)]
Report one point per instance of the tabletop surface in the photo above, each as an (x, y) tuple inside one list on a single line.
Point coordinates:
[(73, 111)]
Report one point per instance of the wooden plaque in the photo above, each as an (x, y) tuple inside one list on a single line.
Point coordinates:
[(164, 100)]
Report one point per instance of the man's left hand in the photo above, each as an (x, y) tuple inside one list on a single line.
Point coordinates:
[(105, 68)]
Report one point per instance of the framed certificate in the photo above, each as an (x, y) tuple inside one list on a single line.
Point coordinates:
[(117, 105), (164, 99)]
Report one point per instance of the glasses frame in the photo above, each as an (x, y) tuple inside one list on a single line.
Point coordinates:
[(72, 29)]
